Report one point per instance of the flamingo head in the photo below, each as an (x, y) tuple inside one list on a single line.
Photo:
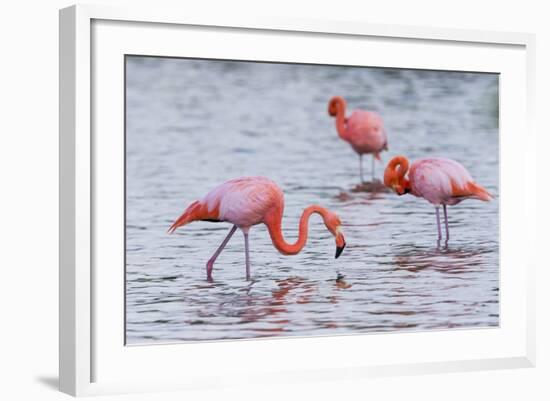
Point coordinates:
[(394, 175), (337, 104), (334, 225), (340, 242)]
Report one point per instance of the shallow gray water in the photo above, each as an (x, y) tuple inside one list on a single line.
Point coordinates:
[(193, 124)]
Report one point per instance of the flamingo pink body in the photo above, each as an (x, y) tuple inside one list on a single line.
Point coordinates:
[(443, 182), (248, 201), (363, 130), (439, 180)]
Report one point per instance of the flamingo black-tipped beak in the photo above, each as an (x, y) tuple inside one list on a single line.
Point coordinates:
[(339, 250)]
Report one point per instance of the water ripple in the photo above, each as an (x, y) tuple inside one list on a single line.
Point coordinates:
[(193, 124)]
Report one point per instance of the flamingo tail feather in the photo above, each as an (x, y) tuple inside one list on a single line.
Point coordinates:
[(479, 192), (195, 211)]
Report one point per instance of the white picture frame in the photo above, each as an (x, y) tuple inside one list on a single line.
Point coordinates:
[(88, 345)]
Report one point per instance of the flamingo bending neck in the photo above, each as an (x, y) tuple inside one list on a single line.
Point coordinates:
[(337, 108), (400, 165), (275, 230), (394, 176)]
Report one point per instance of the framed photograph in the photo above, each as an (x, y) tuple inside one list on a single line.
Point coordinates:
[(275, 200)]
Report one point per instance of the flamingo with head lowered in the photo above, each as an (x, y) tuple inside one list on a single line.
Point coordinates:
[(439, 180), (249, 201), (364, 130)]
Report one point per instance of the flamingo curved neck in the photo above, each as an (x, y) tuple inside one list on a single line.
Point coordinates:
[(341, 120), (275, 231), (400, 165)]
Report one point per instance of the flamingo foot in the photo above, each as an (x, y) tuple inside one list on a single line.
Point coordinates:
[(446, 224), (210, 263), (247, 252), (438, 226), (209, 268)]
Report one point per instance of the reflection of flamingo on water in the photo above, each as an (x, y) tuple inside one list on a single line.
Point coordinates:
[(363, 130), (248, 201), (449, 261), (438, 180), (290, 290)]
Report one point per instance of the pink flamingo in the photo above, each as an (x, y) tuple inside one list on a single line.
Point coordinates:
[(248, 201), (364, 130), (438, 180)]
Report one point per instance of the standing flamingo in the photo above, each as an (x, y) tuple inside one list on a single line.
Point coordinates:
[(439, 180), (248, 201), (364, 130)]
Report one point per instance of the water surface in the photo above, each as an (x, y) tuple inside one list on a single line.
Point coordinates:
[(192, 124)]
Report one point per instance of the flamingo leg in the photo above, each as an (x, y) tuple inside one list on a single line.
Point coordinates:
[(446, 221), (361, 168), (247, 255), (373, 164), (438, 224), (210, 263)]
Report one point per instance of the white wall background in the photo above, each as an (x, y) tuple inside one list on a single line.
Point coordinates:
[(29, 185)]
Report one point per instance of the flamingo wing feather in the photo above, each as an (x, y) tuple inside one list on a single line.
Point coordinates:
[(245, 201), (241, 201), (444, 181), (365, 132)]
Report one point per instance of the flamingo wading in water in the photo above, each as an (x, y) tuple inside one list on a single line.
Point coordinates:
[(249, 201), (439, 180), (364, 130)]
